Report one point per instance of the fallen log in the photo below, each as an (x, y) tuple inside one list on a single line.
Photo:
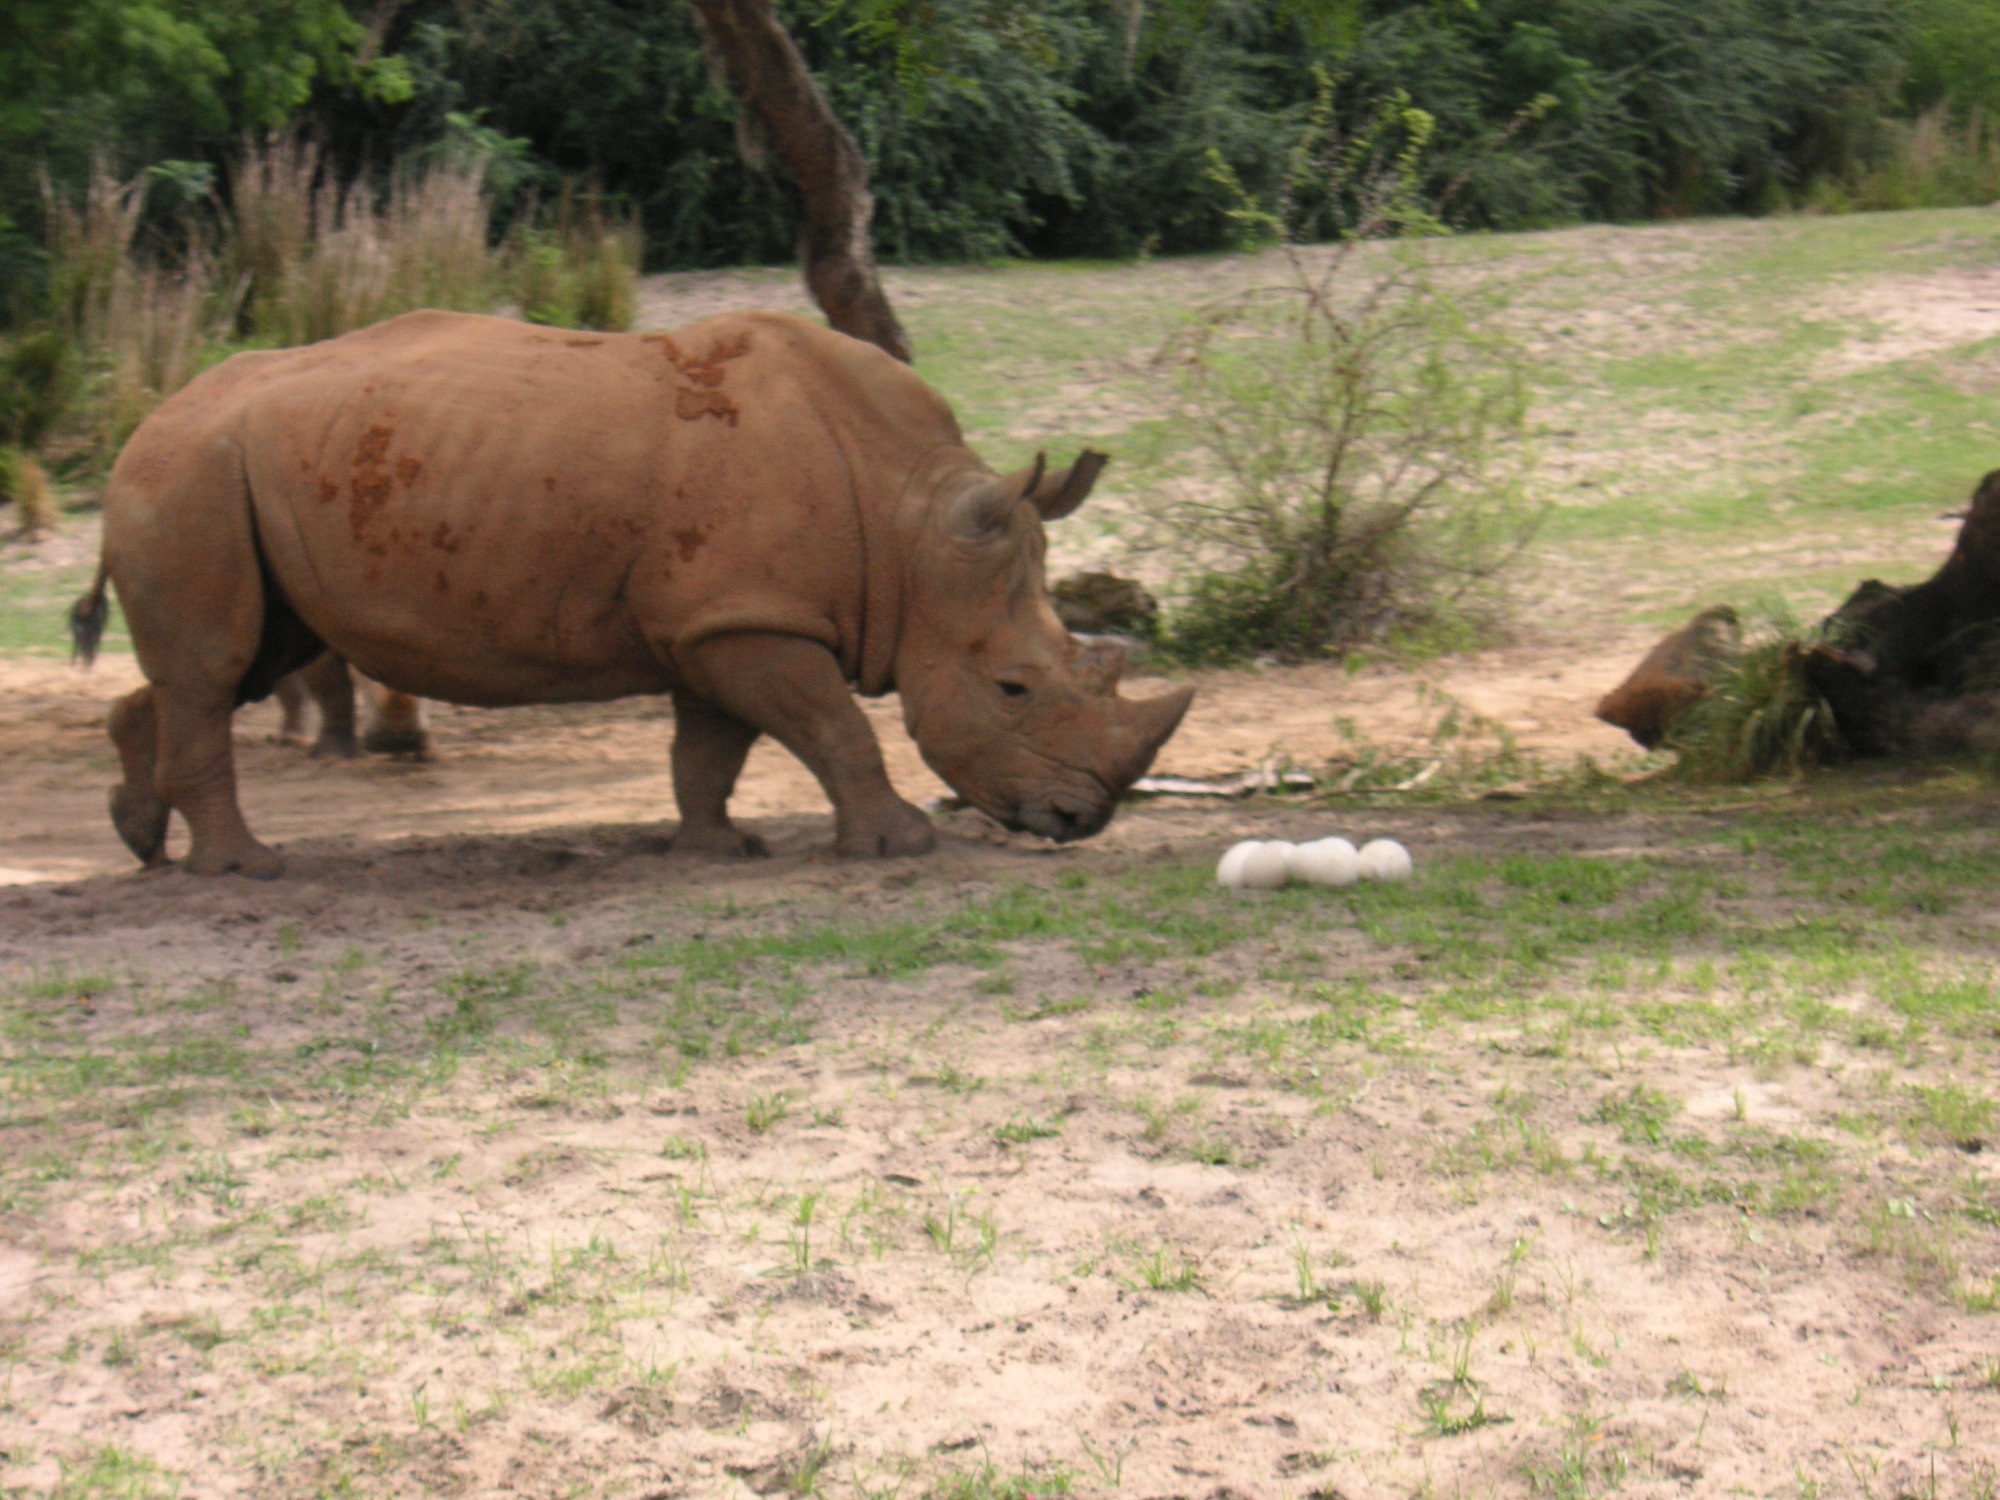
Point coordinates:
[(1905, 671)]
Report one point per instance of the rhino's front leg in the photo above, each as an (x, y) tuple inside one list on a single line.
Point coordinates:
[(791, 688), (710, 747)]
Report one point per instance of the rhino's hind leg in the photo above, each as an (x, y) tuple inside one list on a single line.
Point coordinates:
[(710, 747), (138, 811), (197, 774), (791, 688)]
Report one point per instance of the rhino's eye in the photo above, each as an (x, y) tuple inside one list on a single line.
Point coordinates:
[(1014, 689)]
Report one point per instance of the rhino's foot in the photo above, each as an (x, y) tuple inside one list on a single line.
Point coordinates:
[(413, 744), (726, 840), (141, 820), (245, 857), (333, 745), (899, 830)]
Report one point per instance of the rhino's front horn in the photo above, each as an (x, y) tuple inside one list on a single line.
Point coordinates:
[(1149, 723)]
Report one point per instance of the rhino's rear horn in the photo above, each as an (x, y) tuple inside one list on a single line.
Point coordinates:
[(1056, 495), (986, 506)]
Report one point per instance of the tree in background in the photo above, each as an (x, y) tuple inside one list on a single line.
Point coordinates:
[(835, 248), (983, 128)]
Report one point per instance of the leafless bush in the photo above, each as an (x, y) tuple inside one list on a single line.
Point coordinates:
[(297, 256), (1362, 426)]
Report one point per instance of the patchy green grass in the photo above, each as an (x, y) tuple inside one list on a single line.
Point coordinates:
[(408, 1212), (1741, 391), (35, 598)]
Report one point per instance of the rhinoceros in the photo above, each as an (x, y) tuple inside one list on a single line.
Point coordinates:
[(754, 514), (396, 722)]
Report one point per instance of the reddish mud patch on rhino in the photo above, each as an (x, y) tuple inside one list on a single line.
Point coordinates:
[(373, 445), (372, 483), (444, 539), (408, 468), (367, 493), (327, 489), (688, 541), (691, 405), (706, 371)]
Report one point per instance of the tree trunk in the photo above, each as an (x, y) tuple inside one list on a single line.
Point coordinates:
[(771, 79)]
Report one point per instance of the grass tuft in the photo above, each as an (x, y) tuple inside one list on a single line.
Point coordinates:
[(1758, 718)]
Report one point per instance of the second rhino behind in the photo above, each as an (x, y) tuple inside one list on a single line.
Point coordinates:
[(755, 515)]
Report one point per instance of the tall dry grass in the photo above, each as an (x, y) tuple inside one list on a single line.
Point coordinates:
[(144, 327), (319, 257), (296, 256)]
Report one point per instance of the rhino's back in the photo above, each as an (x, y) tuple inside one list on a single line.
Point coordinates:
[(478, 509)]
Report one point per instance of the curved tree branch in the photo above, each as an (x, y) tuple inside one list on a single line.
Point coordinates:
[(771, 79)]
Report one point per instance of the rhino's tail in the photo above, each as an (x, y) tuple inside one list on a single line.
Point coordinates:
[(87, 618)]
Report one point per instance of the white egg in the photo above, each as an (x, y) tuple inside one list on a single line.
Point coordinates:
[(1265, 866), (1325, 862), (1384, 859), (1230, 871)]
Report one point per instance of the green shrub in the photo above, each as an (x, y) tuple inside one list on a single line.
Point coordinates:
[(1933, 161), (38, 381), (581, 273)]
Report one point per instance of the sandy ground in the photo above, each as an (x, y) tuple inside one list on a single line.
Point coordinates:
[(310, 1231), (512, 770)]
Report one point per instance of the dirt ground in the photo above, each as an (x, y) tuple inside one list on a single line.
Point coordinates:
[(296, 1239), (500, 771)]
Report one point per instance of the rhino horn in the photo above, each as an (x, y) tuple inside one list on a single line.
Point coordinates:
[(1056, 495), (986, 506), (1148, 722)]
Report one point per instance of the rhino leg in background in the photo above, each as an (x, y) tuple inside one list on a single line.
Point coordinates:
[(332, 688), (395, 723), (297, 703), (710, 747), (395, 720), (792, 689), (138, 811)]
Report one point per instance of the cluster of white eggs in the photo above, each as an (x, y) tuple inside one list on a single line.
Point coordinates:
[(1264, 865)]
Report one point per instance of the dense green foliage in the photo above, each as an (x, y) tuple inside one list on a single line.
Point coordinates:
[(1077, 127)]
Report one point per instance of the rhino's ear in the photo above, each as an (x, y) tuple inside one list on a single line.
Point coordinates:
[(984, 508), (1056, 495)]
